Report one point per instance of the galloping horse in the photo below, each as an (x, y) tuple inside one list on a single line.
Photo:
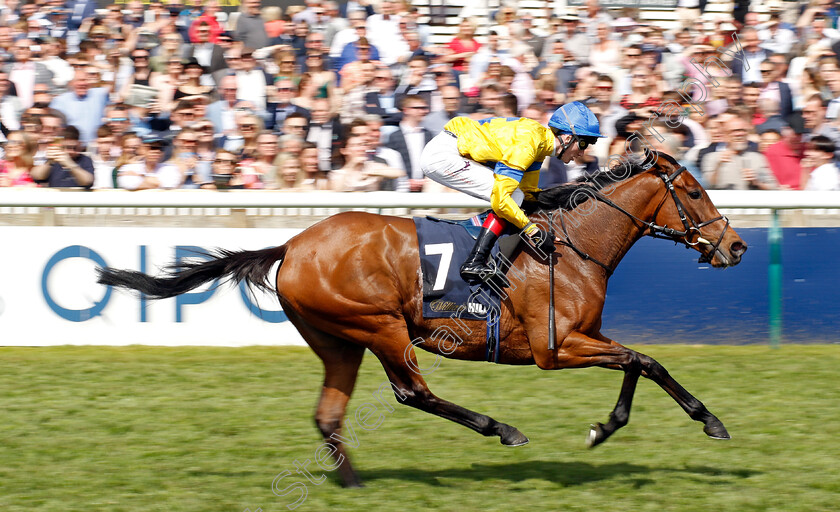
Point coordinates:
[(352, 282)]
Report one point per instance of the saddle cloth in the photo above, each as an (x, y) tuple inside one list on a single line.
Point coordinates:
[(444, 245)]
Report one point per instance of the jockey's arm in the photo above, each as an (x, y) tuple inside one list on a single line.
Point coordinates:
[(520, 168)]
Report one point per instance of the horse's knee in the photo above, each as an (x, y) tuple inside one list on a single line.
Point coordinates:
[(327, 427)]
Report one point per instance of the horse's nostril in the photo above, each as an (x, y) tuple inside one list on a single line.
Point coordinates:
[(738, 248)]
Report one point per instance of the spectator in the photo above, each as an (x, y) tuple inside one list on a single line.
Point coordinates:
[(141, 172), (325, 133), (226, 174), (644, 97), (10, 106), (451, 99), (323, 79), (480, 62), (819, 163), (264, 161), (250, 27), (358, 173), (384, 33), (290, 144), (753, 55), (252, 81), (207, 19), (183, 169), (296, 124), (605, 53), (104, 157), (410, 139), (222, 113), (391, 157), (170, 50), (289, 172), (773, 72), (190, 84), (813, 114), (204, 54), (25, 73), (785, 156), (16, 167), (381, 99), (769, 111), (245, 145), (737, 167), (66, 166), (275, 25), (286, 62), (416, 81), (313, 177), (576, 41), (463, 47), (751, 93), (307, 92), (767, 138), (354, 92), (283, 106)]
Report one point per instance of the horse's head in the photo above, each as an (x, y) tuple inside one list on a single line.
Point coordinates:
[(688, 215)]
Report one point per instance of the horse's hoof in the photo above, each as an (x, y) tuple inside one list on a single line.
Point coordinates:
[(355, 484), (716, 430), (595, 436), (514, 438)]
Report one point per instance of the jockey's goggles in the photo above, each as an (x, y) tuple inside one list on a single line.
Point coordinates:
[(582, 142)]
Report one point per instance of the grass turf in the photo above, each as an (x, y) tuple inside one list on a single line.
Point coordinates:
[(208, 429)]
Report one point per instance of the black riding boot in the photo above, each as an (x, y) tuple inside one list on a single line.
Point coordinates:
[(476, 269)]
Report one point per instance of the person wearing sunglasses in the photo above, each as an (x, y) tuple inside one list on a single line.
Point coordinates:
[(461, 157)]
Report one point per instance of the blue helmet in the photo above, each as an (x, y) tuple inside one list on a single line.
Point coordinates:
[(575, 118)]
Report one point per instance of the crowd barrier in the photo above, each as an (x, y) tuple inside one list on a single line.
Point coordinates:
[(48, 293)]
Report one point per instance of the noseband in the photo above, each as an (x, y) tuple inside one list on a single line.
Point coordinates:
[(691, 229), (690, 226)]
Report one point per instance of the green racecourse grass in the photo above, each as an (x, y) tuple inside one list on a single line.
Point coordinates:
[(207, 429)]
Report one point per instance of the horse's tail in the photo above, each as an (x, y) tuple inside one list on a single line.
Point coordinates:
[(249, 266)]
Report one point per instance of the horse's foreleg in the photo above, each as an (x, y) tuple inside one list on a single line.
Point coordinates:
[(581, 351), (411, 389), (654, 371), (621, 413)]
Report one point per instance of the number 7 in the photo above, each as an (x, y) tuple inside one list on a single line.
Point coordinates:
[(445, 251)]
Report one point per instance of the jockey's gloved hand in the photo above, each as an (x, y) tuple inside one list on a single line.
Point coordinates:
[(539, 238)]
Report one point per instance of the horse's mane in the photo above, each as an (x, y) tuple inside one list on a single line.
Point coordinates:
[(568, 196)]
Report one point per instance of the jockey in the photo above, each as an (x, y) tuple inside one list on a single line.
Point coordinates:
[(499, 160)]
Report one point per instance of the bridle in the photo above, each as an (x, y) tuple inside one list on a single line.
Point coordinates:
[(691, 228)]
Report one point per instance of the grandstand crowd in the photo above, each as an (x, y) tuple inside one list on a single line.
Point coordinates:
[(343, 97)]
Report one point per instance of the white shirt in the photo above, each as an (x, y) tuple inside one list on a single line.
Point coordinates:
[(251, 85), (415, 141), (102, 172), (824, 177), (23, 76), (386, 37)]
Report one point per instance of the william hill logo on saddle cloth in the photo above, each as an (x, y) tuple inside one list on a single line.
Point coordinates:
[(444, 246)]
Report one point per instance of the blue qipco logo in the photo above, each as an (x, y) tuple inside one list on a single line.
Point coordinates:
[(81, 315)]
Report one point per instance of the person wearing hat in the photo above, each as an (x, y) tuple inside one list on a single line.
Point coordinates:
[(459, 158), (192, 86)]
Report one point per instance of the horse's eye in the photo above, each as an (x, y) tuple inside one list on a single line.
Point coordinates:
[(694, 194)]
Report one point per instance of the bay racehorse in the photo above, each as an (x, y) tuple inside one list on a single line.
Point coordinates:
[(352, 282)]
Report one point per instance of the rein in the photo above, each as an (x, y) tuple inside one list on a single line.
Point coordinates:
[(690, 226)]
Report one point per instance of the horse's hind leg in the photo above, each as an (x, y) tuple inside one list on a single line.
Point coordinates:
[(654, 371), (404, 373), (341, 366)]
